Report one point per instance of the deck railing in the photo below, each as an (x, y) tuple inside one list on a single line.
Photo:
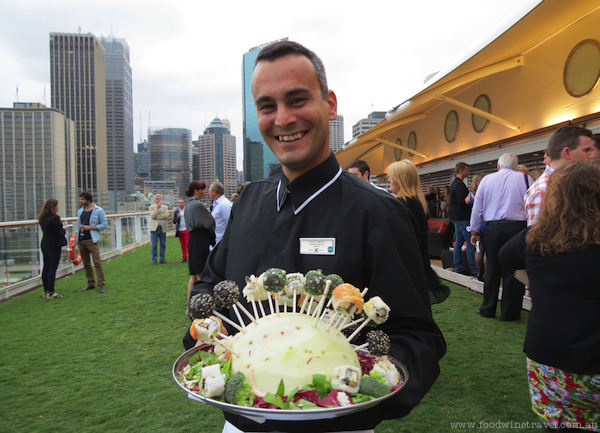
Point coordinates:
[(21, 260)]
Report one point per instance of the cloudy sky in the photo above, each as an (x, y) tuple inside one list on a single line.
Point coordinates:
[(186, 55)]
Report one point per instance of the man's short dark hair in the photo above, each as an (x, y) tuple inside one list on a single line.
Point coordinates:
[(460, 167), (567, 136), (596, 141), (86, 196), (361, 165), (277, 50), (218, 188)]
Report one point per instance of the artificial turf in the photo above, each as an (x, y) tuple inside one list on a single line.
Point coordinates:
[(93, 362)]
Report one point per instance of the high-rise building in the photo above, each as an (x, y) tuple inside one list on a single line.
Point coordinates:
[(258, 158), (119, 115), (35, 147), (78, 78), (217, 156), (364, 125), (336, 133), (171, 156)]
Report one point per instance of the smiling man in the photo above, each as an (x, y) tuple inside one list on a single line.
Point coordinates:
[(313, 215)]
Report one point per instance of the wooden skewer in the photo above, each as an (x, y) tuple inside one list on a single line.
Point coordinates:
[(331, 319), (362, 346), (253, 302), (276, 304), (224, 337), (262, 310), (239, 317), (246, 312), (354, 322), (304, 303), (271, 303), (364, 292), (355, 333), (228, 320), (294, 305), (312, 298), (321, 303), (228, 347)]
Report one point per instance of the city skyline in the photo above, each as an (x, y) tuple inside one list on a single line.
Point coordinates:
[(178, 87)]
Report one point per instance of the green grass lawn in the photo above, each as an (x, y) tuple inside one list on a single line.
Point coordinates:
[(94, 362)]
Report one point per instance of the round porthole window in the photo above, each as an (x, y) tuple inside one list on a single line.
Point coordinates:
[(481, 103), (412, 142), (398, 152), (451, 126), (582, 68)]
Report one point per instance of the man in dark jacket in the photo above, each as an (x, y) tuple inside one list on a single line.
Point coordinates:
[(460, 214)]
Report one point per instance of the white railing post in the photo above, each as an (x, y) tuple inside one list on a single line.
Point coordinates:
[(138, 229), (39, 249), (118, 227)]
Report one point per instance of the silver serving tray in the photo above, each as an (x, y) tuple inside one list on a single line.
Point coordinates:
[(261, 415)]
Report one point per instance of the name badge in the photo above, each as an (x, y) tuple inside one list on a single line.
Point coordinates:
[(317, 246)]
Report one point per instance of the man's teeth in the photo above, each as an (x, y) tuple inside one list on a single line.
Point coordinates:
[(291, 137)]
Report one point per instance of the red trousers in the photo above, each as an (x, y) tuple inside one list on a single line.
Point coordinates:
[(183, 240)]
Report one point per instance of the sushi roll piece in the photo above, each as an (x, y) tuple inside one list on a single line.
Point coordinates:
[(347, 300), (376, 310), (254, 290), (346, 378), (379, 343), (205, 329), (202, 306), (273, 280), (294, 282), (315, 282), (213, 381), (336, 280), (388, 371), (226, 294)]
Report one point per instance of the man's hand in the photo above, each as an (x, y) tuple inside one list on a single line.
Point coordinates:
[(474, 239)]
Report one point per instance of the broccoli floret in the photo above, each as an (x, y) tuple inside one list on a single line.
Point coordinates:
[(372, 385), (377, 375), (239, 391)]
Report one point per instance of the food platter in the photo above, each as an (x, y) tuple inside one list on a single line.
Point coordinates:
[(260, 415)]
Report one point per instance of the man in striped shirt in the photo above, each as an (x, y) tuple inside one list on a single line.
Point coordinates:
[(569, 143)]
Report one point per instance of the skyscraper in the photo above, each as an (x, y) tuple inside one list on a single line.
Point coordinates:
[(364, 125), (258, 158), (336, 133), (217, 156), (171, 156), (119, 115), (35, 144), (78, 77)]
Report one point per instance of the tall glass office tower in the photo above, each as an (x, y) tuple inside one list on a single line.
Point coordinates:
[(258, 158)]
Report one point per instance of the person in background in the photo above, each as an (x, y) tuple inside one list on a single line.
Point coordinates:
[(595, 153), (460, 213), (200, 225), (361, 169), (470, 200), (569, 143), (546, 161), (431, 200), (90, 221), (53, 239), (406, 186), (180, 231), (560, 255), (159, 213), (221, 209), (234, 197), (536, 173), (499, 202)]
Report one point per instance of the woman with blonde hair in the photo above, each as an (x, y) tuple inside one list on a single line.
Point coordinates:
[(406, 186), (560, 255)]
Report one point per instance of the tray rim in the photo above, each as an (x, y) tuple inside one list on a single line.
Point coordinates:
[(262, 414)]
